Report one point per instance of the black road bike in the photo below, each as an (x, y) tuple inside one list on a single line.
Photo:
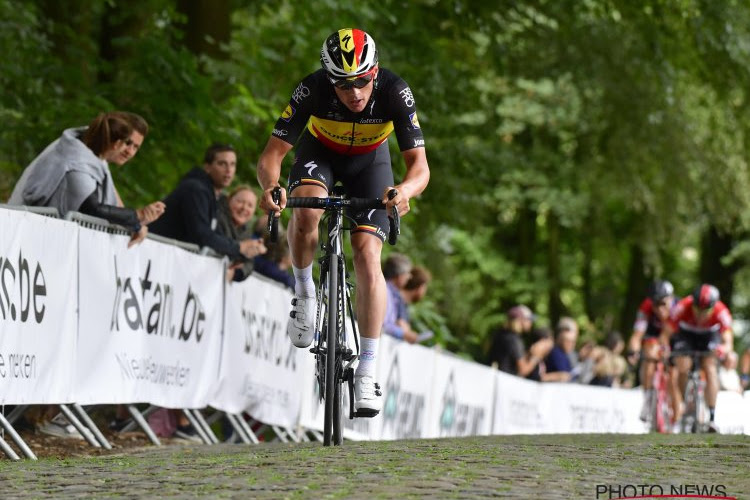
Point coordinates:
[(333, 356)]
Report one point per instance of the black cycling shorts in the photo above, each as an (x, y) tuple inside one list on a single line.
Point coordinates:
[(363, 176), (684, 341)]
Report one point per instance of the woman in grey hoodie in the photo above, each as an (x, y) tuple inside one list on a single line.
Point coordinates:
[(72, 173)]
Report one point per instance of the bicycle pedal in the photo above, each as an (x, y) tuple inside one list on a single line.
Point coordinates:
[(366, 413)]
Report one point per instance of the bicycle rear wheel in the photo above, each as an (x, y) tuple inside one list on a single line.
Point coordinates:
[(331, 399)]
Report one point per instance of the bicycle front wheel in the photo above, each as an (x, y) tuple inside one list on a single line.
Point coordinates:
[(331, 399), (692, 407)]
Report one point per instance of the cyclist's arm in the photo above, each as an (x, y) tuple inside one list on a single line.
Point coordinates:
[(634, 344), (269, 170), (415, 181)]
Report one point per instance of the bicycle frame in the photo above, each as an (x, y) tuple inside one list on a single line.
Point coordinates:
[(660, 405), (693, 418), (334, 358)]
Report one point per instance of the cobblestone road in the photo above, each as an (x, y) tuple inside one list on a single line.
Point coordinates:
[(528, 467)]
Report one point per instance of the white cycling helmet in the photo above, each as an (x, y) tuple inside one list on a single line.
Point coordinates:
[(348, 53)]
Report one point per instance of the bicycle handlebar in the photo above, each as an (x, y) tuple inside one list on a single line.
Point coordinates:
[(332, 203)]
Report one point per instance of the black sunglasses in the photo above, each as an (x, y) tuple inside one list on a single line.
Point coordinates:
[(359, 82)]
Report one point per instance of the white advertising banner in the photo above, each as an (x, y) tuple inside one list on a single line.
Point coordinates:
[(526, 407), (260, 368), (406, 376), (461, 401), (38, 282), (150, 323)]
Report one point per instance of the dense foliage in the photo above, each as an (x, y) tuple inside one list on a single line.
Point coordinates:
[(578, 148)]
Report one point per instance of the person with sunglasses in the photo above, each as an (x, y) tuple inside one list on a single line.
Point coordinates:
[(644, 348), (339, 119), (699, 322)]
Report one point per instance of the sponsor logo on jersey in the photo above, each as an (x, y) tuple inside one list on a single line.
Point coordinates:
[(300, 93), (414, 120), (280, 132), (371, 120), (407, 96), (288, 113), (418, 142)]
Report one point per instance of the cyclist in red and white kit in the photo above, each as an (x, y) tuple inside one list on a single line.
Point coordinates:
[(339, 119), (644, 345), (699, 322)]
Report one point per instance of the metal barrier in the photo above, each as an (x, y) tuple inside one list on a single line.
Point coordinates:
[(47, 211), (77, 415)]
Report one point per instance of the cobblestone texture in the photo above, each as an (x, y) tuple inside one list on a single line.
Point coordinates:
[(528, 467)]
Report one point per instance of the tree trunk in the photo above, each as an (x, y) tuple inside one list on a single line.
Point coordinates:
[(207, 27), (637, 284), (556, 306), (714, 247)]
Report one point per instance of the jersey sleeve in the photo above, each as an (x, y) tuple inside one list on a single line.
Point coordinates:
[(293, 119), (405, 121)]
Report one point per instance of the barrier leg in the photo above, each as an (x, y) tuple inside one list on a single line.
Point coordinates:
[(280, 433), (206, 428), (317, 435), (194, 422), (16, 413), (16, 439), (140, 419), (292, 435), (5, 447), (238, 429), (92, 426), (85, 432), (246, 427)]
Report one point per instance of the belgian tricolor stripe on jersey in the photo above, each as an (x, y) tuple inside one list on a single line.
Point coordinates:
[(349, 138)]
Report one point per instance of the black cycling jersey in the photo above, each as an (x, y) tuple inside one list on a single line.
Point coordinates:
[(314, 105)]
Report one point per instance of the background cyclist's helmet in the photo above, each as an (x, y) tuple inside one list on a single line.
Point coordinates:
[(660, 290), (348, 53), (705, 296)]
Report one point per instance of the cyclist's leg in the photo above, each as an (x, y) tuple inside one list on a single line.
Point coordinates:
[(649, 358), (310, 176), (650, 350), (368, 176), (710, 368)]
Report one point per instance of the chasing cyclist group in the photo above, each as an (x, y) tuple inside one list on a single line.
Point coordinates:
[(678, 332)]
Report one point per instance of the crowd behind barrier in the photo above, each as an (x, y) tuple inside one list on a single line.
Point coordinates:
[(84, 319)]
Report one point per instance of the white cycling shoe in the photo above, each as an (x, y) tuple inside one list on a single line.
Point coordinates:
[(301, 325), (368, 399)]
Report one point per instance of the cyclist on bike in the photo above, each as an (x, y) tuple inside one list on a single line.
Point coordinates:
[(699, 322), (644, 345), (339, 119)]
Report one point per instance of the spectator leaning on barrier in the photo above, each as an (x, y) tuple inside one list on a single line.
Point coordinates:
[(234, 215), (559, 362), (507, 349), (397, 271), (72, 174), (193, 205)]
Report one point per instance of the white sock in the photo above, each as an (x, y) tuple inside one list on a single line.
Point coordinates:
[(304, 286), (367, 357)]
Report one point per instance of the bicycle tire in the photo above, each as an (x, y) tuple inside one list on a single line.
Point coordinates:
[(330, 395), (689, 421)]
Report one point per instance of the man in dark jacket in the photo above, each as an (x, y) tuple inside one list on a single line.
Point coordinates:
[(507, 349), (191, 208)]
